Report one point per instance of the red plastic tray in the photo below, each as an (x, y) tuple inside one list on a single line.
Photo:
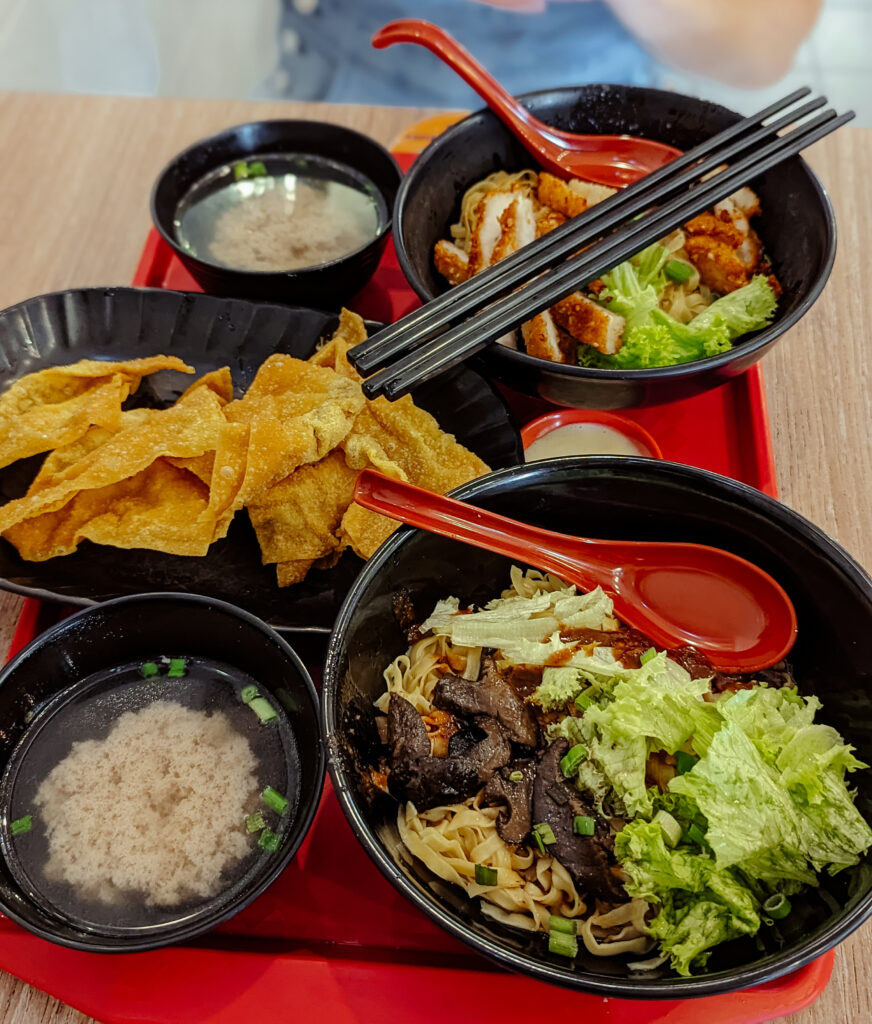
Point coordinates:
[(331, 937)]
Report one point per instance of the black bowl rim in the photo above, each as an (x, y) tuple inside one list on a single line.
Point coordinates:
[(671, 988), (182, 933), (301, 272), (534, 363)]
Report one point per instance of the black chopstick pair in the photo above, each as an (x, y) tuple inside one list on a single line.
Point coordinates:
[(679, 180)]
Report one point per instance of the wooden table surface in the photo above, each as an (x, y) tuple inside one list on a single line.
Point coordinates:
[(74, 187)]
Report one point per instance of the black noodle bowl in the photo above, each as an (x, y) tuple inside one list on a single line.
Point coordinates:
[(632, 499)]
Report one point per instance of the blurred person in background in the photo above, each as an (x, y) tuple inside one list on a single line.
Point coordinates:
[(325, 51)]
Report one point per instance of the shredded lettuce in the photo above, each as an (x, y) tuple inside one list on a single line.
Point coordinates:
[(525, 629), (700, 903), (653, 338)]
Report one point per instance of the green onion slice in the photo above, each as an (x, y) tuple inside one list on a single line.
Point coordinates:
[(274, 800), (648, 655), (583, 825), (671, 828), (562, 944), (570, 763), (177, 668), (516, 776), (269, 840), (678, 271), (255, 822), (777, 906), (583, 702), (247, 694), (545, 833), (257, 169), (148, 669), (695, 834), (684, 761), (21, 825), (537, 839), (240, 171), (263, 709), (485, 875), (562, 924)]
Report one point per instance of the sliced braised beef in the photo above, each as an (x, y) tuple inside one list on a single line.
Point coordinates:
[(491, 695), (556, 802), (474, 754), (513, 823)]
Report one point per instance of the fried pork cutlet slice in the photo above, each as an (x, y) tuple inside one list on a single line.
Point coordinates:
[(545, 340), (589, 323), (572, 197), (451, 261), (722, 245), (517, 227), (487, 228)]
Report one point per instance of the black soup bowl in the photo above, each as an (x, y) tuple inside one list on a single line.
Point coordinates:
[(312, 148), (797, 227), (634, 499), (74, 681)]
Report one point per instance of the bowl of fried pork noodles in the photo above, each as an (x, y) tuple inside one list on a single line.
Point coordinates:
[(579, 804), (683, 315)]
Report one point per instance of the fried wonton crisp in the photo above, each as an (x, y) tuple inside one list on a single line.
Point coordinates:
[(56, 406), (296, 413)]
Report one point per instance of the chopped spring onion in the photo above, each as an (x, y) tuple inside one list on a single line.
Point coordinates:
[(485, 875), (274, 800), (562, 924), (583, 825), (148, 669), (177, 668), (684, 761), (257, 169), (247, 694), (777, 906), (695, 834), (562, 944), (648, 655), (255, 822), (583, 702), (537, 839), (678, 271), (516, 776), (263, 709), (21, 825), (240, 171), (269, 840), (544, 831), (671, 828), (570, 763)]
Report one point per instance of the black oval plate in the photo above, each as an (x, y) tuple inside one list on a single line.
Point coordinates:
[(207, 332)]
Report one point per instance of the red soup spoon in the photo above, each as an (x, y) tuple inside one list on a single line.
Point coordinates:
[(674, 593), (614, 160)]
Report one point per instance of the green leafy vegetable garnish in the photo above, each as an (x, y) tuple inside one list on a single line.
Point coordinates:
[(177, 668), (148, 669), (652, 337), (485, 875), (21, 825)]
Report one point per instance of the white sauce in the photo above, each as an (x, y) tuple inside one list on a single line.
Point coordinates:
[(582, 439)]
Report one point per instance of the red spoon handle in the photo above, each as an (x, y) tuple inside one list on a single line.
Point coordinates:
[(450, 52), (461, 521)]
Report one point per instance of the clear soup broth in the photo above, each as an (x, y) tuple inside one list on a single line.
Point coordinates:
[(305, 211), (234, 753)]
